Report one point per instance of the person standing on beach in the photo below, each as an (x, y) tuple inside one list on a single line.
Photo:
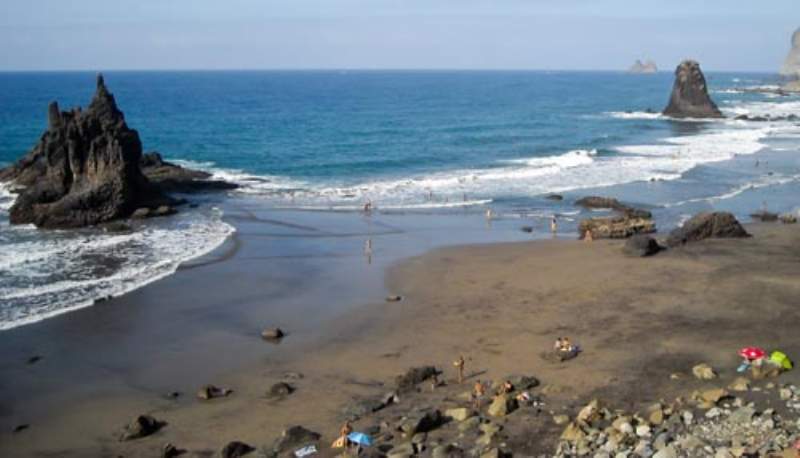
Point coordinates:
[(459, 364), (553, 225)]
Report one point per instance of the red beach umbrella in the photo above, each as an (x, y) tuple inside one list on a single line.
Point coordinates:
[(752, 353)]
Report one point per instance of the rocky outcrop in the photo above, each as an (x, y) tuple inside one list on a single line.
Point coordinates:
[(169, 177), (707, 225), (791, 66), (641, 245), (690, 97), (640, 67), (615, 227), (84, 170), (597, 202)]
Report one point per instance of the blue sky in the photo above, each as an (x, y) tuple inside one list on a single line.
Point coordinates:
[(378, 34)]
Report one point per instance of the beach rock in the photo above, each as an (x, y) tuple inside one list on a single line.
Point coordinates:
[(764, 216), (415, 376), (740, 384), (469, 424), (272, 334), (363, 407), (141, 426), (236, 449), (210, 392), (295, 437), (641, 245), (599, 202), (280, 390), (791, 66), (169, 177), (394, 298), (170, 451), (422, 422), (447, 451), (707, 225), (459, 414), (20, 428), (556, 197), (84, 170), (704, 372), (502, 405), (523, 382), (690, 97), (615, 227)]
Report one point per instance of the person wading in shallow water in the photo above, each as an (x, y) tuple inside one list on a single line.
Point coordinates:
[(553, 225)]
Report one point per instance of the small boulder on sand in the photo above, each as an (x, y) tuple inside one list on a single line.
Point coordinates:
[(210, 392), (141, 426), (236, 449), (707, 225), (272, 334), (280, 390), (641, 245), (704, 372)]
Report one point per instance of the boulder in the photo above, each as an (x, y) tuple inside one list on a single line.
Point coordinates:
[(615, 227), (236, 449), (171, 451), (554, 197), (169, 177), (502, 405), (707, 225), (690, 97), (295, 437), (84, 170), (415, 376), (641, 245), (447, 451), (599, 202), (279, 390), (272, 334), (141, 426), (422, 422), (210, 392), (704, 372), (523, 382), (459, 414)]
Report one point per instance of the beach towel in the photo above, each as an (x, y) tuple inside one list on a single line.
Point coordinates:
[(782, 359)]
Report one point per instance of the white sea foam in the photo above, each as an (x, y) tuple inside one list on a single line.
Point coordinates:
[(635, 115), (54, 272), (763, 182)]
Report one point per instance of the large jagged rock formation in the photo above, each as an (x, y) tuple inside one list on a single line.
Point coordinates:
[(690, 97), (643, 67), (84, 171), (791, 66)]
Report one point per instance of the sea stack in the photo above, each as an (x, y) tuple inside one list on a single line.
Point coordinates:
[(690, 97), (84, 170), (640, 67), (791, 67)]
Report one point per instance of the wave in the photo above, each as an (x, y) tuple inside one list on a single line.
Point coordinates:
[(635, 115), (54, 272), (762, 183)]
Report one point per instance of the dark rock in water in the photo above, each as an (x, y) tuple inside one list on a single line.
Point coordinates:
[(117, 227), (295, 437), (34, 359), (236, 449), (707, 225), (169, 177), (615, 227), (210, 392), (554, 197), (415, 376), (84, 170), (20, 428), (764, 216), (272, 334), (641, 245), (690, 97), (599, 202), (528, 229), (280, 390), (141, 426)]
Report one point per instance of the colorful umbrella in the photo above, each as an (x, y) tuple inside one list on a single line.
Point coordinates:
[(360, 439), (752, 353)]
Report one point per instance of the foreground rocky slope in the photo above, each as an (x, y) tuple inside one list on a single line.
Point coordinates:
[(690, 97), (86, 170)]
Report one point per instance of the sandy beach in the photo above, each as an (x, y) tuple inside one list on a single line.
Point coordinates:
[(639, 320)]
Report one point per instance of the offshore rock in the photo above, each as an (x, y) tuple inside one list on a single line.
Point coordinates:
[(169, 177), (640, 67), (791, 66), (690, 97), (84, 171), (615, 227)]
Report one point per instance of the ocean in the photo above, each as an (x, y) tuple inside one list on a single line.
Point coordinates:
[(410, 142)]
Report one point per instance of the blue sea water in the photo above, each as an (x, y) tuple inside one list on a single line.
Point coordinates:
[(407, 141)]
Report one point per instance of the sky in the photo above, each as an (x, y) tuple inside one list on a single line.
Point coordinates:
[(734, 35)]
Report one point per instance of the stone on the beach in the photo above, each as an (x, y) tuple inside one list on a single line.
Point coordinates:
[(295, 437), (572, 433), (666, 452), (272, 334), (415, 376), (363, 407), (641, 245), (236, 449), (739, 384), (690, 97), (615, 227), (599, 202), (210, 392), (280, 390), (84, 171), (560, 419), (704, 372), (502, 405), (523, 382), (169, 177), (469, 424), (655, 414), (447, 451), (459, 414), (422, 422), (141, 426), (394, 298), (707, 225), (712, 396), (554, 197), (170, 451), (590, 412)]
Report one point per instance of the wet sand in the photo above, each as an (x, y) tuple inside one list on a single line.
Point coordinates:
[(500, 305)]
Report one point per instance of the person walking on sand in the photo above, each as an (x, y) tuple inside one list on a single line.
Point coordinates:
[(478, 391), (588, 236), (459, 364)]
